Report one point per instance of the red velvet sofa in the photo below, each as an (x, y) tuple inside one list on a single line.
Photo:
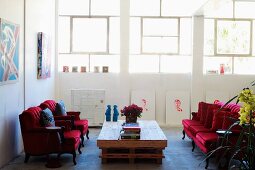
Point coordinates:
[(201, 129), (40, 140), (79, 124)]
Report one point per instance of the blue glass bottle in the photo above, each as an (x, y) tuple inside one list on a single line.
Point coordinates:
[(108, 113)]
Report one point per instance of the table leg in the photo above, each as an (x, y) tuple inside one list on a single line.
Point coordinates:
[(104, 160), (159, 152), (131, 160)]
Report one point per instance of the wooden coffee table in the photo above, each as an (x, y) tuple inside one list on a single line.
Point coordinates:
[(150, 146)]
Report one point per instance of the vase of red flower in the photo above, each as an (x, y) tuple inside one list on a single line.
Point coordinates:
[(132, 112)]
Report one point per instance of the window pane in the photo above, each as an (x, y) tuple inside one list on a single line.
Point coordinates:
[(105, 7), (73, 7), (112, 61), (90, 34), (144, 64), (209, 37), (244, 65), (244, 9), (114, 35), (218, 9), (144, 7), (175, 64), (135, 35), (64, 34), (185, 36), (233, 37), (160, 45), (160, 27), (72, 60), (218, 65), (180, 7)]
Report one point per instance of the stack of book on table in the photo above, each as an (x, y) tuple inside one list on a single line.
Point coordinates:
[(130, 131)]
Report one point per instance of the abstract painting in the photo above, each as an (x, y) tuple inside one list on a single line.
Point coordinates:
[(146, 100), (177, 107), (43, 54), (9, 52)]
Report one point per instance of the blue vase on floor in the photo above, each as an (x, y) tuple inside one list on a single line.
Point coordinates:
[(115, 113), (108, 113)]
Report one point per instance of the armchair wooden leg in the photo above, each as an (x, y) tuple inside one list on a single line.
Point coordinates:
[(27, 156), (87, 134), (82, 140), (207, 163), (79, 149), (74, 156), (193, 145), (183, 132)]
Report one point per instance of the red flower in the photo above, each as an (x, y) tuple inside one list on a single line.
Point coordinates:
[(133, 110)]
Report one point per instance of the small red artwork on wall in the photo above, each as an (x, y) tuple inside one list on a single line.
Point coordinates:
[(178, 105), (145, 104)]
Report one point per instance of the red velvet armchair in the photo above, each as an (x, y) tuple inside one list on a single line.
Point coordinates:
[(79, 124), (39, 140)]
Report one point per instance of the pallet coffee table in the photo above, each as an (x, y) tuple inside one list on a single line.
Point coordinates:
[(150, 146)]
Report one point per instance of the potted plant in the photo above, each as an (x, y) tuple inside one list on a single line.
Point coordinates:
[(132, 112), (241, 152)]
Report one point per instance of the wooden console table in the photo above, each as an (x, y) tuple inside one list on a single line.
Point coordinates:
[(150, 146)]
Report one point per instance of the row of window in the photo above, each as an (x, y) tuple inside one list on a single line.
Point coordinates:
[(158, 41)]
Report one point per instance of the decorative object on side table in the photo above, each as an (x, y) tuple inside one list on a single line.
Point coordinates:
[(115, 113), (108, 113), (132, 112)]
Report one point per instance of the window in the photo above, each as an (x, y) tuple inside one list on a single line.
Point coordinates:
[(89, 34), (229, 43), (159, 42)]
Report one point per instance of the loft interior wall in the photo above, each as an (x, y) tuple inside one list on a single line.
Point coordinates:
[(40, 17), (12, 95)]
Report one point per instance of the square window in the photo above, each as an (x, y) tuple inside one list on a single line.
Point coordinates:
[(90, 35), (135, 35), (144, 7), (64, 34), (144, 64), (73, 7), (244, 65), (175, 64), (233, 37), (105, 7)]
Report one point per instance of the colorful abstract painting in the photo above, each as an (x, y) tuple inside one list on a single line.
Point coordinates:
[(9, 52), (44, 59)]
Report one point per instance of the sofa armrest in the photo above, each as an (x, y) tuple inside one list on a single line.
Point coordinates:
[(76, 114), (45, 130)]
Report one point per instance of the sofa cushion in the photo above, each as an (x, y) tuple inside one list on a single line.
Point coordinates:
[(60, 109), (47, 118), (72, 137), (195, 129), (187, 123), (207, 139), (218, 120), (82, 125), (203, 112), (229, 119), (211, 109)]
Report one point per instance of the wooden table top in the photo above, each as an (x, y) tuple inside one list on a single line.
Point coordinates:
[(151, 136)]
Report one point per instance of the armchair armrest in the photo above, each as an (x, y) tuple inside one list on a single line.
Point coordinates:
[(65, 124), (74, 113), (45, 130), (194, 116)]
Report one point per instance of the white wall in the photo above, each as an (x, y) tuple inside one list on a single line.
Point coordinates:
[(12, 95), (40, 17)]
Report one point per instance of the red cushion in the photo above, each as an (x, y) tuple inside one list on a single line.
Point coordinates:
[(187, 123), (195, 129), (208, 140), (218, 120), (203, 112), (209, 116), (72, 137), (82, 125), (199, 112)]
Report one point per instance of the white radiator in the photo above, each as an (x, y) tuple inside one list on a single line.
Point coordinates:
[(91, 104)]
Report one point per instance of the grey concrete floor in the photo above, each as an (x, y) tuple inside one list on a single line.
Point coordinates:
[(178, 156)]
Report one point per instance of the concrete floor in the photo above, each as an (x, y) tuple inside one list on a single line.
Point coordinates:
[(178, 156)]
